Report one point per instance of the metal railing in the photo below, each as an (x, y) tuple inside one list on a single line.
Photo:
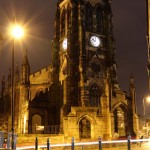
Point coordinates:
[(99, 144)]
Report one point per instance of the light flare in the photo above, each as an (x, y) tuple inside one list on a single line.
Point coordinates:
[(17, 31)]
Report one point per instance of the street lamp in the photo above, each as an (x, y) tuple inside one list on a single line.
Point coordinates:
[(16, 32), (145, 99)]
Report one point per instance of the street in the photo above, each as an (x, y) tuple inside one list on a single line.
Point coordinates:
[(93, 146), (144, 146)]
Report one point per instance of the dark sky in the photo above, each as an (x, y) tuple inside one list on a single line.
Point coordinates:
[(37, 16)]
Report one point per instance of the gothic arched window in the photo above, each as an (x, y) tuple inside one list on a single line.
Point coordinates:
[(120, 121), (88, 17), (94, 95), (99, 19), (82, 2), (95, 66), (68, 16), (62, 24)]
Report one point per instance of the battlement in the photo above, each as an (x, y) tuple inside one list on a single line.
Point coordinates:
[(41, 76)]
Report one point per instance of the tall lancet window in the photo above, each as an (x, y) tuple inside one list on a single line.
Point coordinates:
[(68, 16), (62, 23), (94, 95), (99, 19), (88, 17)]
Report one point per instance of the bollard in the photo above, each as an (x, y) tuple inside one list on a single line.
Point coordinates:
[(1, 139), (36, 143), (8, 140), (100, 143), (15, 141), (72, 143), (129, 137), (48, 144)]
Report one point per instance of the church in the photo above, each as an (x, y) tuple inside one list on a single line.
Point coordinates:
[(78, 94)]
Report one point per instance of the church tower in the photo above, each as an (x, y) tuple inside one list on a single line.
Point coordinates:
[(84, 57), (83, 31)]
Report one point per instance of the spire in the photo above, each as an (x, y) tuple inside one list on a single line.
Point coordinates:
[(1, 40), (25, 59), (25, 69), (9, 78), (3, 83), (132, 82), (132, 93), (17, 68)]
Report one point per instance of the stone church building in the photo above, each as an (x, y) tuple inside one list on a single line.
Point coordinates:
[(78, 94)]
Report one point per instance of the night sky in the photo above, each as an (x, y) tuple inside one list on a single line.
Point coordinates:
[(37, 16)]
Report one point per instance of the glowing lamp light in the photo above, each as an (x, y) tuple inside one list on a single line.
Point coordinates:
[(148, 98), (17, 31)]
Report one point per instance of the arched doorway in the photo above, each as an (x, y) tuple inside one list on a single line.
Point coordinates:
[(120, 120), (36, 121), (85, 128)]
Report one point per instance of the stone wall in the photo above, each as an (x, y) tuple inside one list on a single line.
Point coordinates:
[(29, 139)]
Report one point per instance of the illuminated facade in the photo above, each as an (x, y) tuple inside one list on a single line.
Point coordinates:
[(78, 94)]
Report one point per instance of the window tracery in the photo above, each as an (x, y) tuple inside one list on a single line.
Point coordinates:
[(62, 27), (99, 19), (88, 17), (94, 95)]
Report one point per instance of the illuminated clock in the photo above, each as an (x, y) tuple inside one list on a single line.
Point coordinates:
[(65, 44), (95, 41)]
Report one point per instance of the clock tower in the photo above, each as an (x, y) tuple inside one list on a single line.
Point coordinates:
[(83, 56)]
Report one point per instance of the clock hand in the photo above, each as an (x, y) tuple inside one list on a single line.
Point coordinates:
[(93, 40)]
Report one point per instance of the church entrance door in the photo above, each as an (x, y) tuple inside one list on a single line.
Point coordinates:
[(85, 128)]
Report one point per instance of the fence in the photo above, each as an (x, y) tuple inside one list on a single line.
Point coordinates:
[(80, 146)]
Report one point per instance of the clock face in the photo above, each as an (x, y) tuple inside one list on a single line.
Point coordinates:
[(95, 41), (64, 44)]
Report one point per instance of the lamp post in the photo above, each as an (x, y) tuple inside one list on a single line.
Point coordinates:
[(148, 100), (17, 33)]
